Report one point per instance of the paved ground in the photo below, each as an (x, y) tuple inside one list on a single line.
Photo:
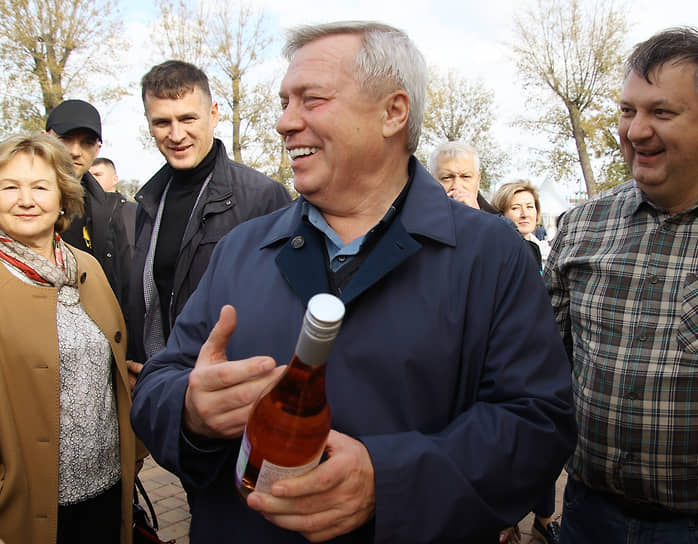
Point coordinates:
[(172, 510), (169, 501)]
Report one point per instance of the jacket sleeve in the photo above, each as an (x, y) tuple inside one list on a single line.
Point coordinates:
[(158, 398), (504, 447), (557, 286)]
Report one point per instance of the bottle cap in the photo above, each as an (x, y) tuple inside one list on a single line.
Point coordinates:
[(324, 316)]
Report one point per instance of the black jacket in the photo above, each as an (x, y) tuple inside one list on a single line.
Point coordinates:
[(107, 239), (234, 194)]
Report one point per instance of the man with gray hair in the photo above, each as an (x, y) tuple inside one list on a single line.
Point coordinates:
[(456, 166), (451, 406)]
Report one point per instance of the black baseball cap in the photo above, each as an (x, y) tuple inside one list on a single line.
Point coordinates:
[(74, 114)]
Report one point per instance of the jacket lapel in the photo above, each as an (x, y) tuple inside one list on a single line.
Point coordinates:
[(392, 249), (301, 262)]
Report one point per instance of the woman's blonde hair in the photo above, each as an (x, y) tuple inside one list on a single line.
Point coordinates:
[(505, 194), (52, 150)]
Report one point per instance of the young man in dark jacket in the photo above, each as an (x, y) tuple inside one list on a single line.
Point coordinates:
[(188, 205)]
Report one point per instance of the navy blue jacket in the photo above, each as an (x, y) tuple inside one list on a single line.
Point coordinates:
[(448, 367)]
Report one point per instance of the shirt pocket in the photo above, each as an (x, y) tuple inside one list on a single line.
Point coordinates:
[(688, 329)]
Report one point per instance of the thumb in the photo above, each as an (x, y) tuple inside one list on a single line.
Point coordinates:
[(213, 350)]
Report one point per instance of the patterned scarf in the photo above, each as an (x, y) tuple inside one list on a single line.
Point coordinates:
[(37, 268)]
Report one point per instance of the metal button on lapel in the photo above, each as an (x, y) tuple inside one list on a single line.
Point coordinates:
[(297, 242)]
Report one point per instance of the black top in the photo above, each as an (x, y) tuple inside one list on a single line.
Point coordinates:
[(535, 251), (179, 203)]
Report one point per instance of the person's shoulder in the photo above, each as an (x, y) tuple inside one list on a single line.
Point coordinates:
[(607, 202), (93, 190), (242, 170), (158, 178), (265, 229)]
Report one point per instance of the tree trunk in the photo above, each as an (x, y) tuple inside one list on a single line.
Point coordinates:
[(237, 150), (580, 142)]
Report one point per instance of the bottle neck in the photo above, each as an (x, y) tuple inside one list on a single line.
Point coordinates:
[(311, 351)]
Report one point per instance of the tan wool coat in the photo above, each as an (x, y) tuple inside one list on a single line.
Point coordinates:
[(29, 399)]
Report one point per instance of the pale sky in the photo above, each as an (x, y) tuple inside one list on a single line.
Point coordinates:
[(464, 35)]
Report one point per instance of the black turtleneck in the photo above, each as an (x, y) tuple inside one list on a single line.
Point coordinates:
[(179, 204)]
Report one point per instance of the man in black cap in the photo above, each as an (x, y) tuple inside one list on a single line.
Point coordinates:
[(101, 231)]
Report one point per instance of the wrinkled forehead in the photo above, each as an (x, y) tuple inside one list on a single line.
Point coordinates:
[(451, 160)]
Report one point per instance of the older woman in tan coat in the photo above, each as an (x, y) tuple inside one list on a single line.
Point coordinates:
[(66, 445)]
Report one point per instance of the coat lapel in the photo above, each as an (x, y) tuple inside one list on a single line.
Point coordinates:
[(392, 249), (302, 262)]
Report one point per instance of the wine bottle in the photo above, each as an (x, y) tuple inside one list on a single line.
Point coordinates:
[(288, 426)]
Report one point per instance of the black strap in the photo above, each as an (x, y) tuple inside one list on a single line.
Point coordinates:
[(141, 489)]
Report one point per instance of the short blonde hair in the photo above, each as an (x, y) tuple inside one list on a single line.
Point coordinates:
[(505, 194), (52, 150)]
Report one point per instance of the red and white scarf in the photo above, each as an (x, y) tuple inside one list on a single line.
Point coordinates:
[(37, 268)]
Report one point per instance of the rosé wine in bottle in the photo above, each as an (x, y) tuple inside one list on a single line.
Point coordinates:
[(288, 426)]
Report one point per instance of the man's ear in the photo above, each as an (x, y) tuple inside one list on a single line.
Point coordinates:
[(214, 113), (397, 111)]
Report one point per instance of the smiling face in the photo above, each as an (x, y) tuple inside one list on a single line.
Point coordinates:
[(30, 202), (333, 129), (522, 211), (658, 131), (182, 127)]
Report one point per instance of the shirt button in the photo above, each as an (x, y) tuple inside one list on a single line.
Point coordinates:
[(629, 458), (117, 337), (643, 337), (108, 254), (342, 258), (654, 279), (632, 395), (298, 242)]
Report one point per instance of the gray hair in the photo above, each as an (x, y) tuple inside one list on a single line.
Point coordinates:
[(453, 150), (387, 61)]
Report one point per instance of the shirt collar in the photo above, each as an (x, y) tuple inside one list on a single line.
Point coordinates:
[(638, 198), (423, 206)]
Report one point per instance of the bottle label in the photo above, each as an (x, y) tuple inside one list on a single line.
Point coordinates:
[(243, 456), (270, 473)]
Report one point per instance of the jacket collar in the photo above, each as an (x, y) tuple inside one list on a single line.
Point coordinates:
[(92, 186), (218, 187), (426, 212)]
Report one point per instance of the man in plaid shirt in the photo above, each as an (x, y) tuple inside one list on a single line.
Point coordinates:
[(623, 279)]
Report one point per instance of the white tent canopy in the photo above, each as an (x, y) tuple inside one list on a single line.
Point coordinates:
[(552, 204)]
